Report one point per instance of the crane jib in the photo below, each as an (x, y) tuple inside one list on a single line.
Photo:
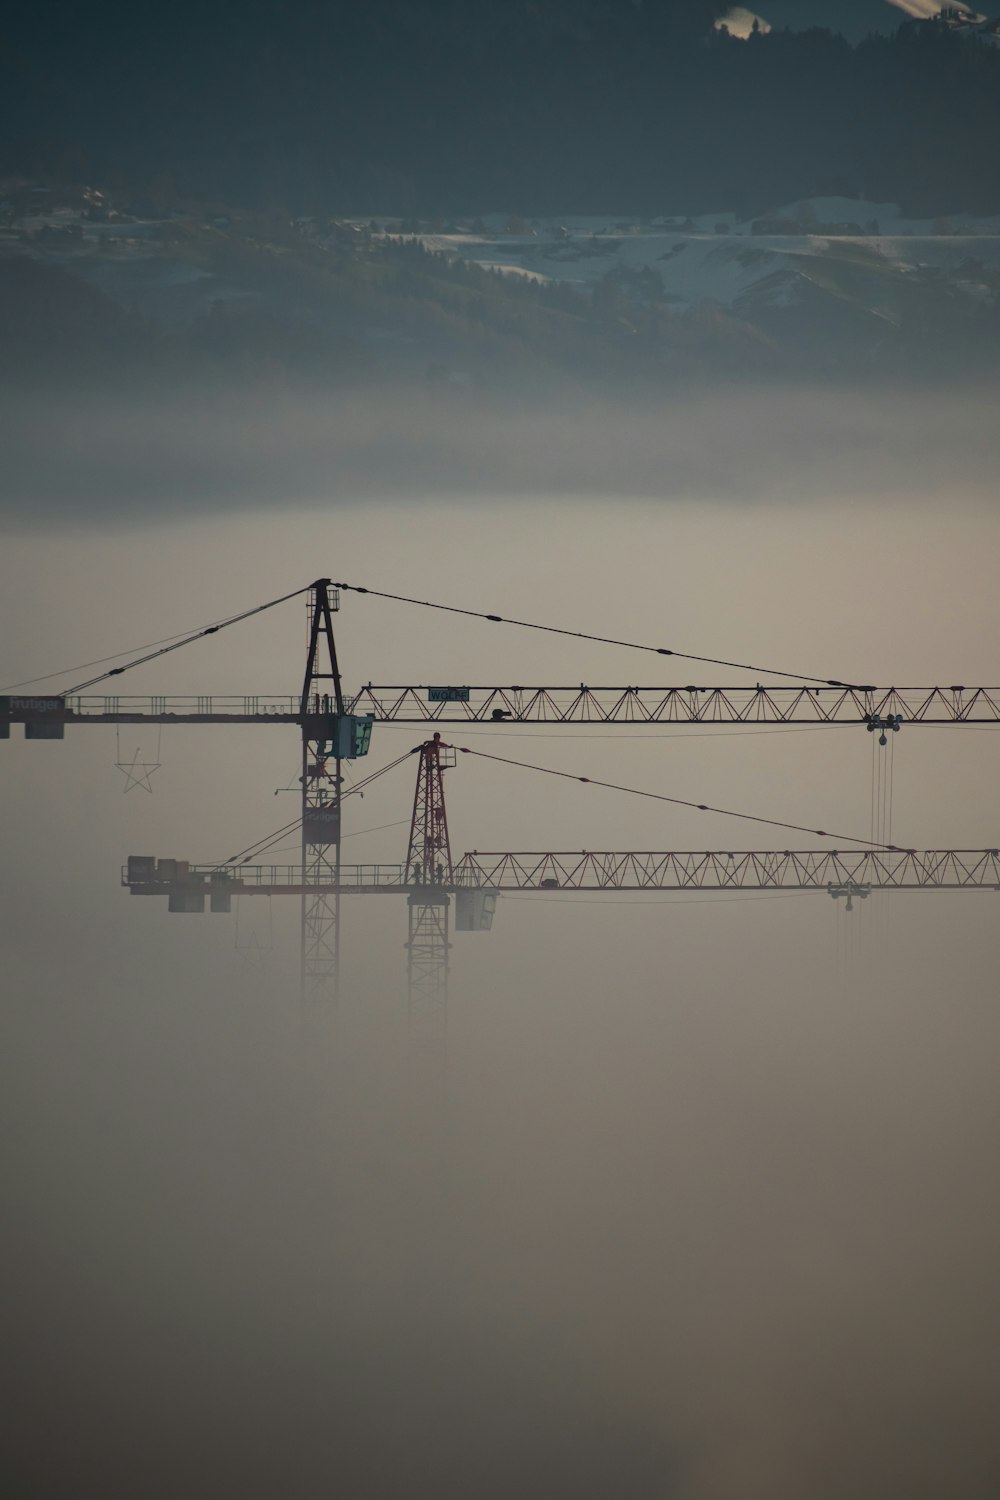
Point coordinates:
[(579, 706)]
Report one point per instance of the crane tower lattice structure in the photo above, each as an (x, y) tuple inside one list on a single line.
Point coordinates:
[(428, 943), (322, 697)]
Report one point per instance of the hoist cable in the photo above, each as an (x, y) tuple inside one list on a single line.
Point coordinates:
[(582, 635), (683, 802), (177, 644)]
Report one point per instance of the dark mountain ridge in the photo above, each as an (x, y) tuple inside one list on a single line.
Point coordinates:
[(534, 106)]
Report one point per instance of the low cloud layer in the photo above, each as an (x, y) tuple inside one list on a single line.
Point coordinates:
[(79, 461), (698, 1237)]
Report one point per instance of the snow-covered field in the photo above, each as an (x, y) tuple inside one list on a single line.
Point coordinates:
[(717, 256), (840, 252)]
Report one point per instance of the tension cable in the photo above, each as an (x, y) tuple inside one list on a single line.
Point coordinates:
[(177, 644), (683, 802), (604, 640)]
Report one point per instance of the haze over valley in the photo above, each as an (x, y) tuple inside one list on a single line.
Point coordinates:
[(641, 324)]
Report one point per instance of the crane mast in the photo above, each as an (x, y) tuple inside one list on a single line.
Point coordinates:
[(428, 873), (321, 713)]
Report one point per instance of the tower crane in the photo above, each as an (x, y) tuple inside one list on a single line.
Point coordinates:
[(432, 881), (335, 727)]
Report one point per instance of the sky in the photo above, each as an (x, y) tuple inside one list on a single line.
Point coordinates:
[(718, 1217)]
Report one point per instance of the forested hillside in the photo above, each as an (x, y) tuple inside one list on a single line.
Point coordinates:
[(463, 106)]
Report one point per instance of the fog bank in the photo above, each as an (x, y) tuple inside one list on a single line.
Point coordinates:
[(81, 459), (717, 1216)]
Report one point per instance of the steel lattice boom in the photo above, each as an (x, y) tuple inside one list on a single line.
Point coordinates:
[(532, 705), (606, 870), (678, 705), (748, 869)]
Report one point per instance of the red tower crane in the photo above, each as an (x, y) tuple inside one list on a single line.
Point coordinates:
[(429, 871)]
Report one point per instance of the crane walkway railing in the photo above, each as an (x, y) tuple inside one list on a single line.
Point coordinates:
[(202, 708)]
